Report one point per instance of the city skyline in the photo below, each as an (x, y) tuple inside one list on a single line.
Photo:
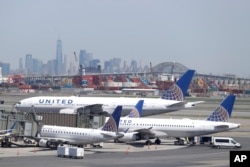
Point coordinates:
[(208, 36)]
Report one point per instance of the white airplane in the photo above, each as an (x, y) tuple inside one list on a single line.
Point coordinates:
[(8, 132), (172, 100), (54, 135), (150, 128)]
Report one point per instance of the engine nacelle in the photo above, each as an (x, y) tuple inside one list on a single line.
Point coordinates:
[(44, 143), (130, 137)]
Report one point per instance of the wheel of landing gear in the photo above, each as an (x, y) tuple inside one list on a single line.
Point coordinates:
[(116, 141), (148, 142), (158, 141)]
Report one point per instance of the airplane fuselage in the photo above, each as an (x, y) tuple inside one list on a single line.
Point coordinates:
[(151, 106), (175, 127), (78, 136)]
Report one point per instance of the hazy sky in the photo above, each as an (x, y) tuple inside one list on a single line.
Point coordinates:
[(210, 36)]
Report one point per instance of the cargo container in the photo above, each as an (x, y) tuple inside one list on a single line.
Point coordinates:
[(63, 151), (76, 152)]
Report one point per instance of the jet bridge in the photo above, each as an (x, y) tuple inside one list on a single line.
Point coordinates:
[(29, 123)]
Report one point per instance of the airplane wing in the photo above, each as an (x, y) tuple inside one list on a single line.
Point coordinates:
[(2, 134), (95, 109), (54, 140), (110, 134), (6, 134), (3, 131), (184, 104), (144, 133)]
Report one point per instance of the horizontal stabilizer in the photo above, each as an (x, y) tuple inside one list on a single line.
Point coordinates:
[(180, 104), (192, 104), (109, 134), (221, 127)]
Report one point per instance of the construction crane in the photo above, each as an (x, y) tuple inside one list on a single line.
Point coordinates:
[(80, 65), (75, 57), (152, 79)]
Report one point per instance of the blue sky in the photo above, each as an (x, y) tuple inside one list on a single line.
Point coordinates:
[(210, 36)]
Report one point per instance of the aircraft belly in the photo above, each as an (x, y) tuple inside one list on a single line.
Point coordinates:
[(40, 109), (175, 133)]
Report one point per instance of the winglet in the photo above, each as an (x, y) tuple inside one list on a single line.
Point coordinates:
[(113, 122), (224, 110), (178, 90), (136, 112)]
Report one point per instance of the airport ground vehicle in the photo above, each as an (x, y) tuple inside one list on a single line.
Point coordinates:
[(206, 139), (5, 142), (225, 142)]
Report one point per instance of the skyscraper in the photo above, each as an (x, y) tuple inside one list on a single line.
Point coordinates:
[(85, 58), (20, 63), (59, 61), (29, 64)]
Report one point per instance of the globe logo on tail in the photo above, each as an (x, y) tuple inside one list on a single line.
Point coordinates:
[(134, 113), (219, 115), (173, 93), (110, 125)]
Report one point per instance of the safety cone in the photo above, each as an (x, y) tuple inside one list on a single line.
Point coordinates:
[(148, 146), (126, 151)]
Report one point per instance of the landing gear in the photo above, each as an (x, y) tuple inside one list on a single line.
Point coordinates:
[(179, 142), (116, 141), (148, 142), (157, 141)]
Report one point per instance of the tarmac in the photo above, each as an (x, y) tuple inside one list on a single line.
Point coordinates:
[(120, 154), (127, 155)]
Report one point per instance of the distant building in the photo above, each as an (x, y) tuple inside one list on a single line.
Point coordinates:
[(50, 68), (5, 68), (107, 67), (28, 64), (20, 63), (95, 63), (37, 66), (134, 67), (59, 67), (85, 58)]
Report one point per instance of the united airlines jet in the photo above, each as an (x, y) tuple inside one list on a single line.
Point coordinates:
[(54, 135), (172, 100), (150, 128), (8, 132)]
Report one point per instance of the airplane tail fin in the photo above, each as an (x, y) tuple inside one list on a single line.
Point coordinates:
[(112, 124), (178, 90), (12, 127), (224, 110), (136, 112)]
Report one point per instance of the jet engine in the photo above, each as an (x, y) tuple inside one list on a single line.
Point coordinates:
[(44, 143), (130, 137)]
